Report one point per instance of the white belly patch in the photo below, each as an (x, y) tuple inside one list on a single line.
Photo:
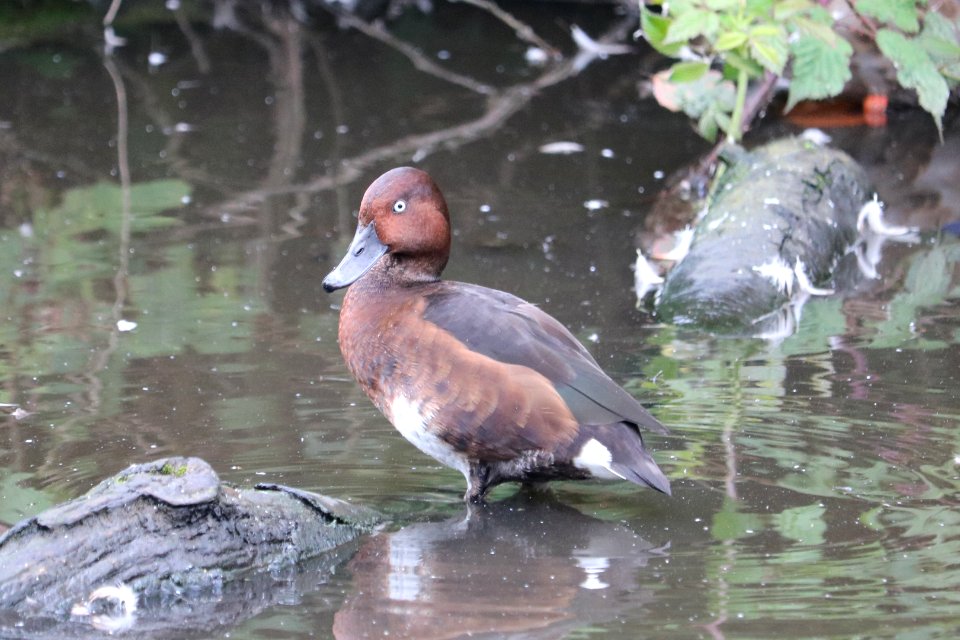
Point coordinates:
[(412, 425)]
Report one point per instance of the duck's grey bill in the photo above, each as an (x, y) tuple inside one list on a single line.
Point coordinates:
[(364, 251)]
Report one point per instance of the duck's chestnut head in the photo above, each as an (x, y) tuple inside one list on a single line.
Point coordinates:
[(403, 220)]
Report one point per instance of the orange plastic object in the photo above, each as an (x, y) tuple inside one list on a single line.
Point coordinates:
[(830, 114), (875, 109)]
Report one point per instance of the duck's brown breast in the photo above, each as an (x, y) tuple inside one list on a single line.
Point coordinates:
[(481, 407)]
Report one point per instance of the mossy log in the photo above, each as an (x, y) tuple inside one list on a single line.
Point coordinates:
[(176, 538), (780, 218)]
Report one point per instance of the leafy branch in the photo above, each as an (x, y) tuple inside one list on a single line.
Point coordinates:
[(723, 45)]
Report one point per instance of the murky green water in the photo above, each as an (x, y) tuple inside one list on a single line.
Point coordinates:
[(164, 233)]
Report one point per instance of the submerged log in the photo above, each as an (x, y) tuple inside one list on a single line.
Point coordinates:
[(779, 219), (160, 539)]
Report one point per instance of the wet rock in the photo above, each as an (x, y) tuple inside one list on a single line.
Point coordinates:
[(778, 221), (166, 544)]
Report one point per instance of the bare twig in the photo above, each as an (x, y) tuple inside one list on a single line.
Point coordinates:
[(196, 46), (112, 12), (863, 25), (336, 108), (758, 99), (419, 60), (152, 104), (286, 67), (500, 107), (521, 29), (120, 278)]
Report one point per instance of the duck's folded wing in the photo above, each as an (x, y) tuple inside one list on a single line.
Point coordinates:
[(508, 329)]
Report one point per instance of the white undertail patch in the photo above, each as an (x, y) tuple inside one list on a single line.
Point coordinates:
[(596, 459)]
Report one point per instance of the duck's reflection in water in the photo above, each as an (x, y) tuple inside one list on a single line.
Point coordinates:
[(528, 565)]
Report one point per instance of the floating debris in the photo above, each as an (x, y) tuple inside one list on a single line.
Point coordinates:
[(586, 44), (126, 325), (871, 218), (111, 40), (816, 136), (110, 608), (783, 277), (803, 282), (156, 59), (536, 56), (778, 272), (18, 412), (561, 147)]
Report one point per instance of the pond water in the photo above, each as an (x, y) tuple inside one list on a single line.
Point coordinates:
[(164, 231)]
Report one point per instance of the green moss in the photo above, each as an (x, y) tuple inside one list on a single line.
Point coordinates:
[(171, 470)]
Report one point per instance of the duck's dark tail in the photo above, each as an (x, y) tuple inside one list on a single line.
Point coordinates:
[(617, 451)]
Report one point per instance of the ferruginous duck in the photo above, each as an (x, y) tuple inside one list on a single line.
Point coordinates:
[(479, 379)]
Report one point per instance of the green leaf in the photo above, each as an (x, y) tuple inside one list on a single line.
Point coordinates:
[(709, 100), (709, 91), (939, 39), (767, 30), (654, 28), (768, 46), (716, 115), (707, 127), (730, 524), (820, 70), (730, 40), (691, 24), (817, 29), (941, 49), (937, 24), (99, 207), (916, 70), (723, 119), (900, 13), (759, 7), (688, 71), (820, 15), (804, 524), (722, 5), (871, 519), (736, 62), (790, 8)]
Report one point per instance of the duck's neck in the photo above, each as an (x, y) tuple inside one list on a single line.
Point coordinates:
[(372, 303), (400, 271)]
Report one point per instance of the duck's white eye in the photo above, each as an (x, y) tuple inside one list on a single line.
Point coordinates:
[(399, 206)]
